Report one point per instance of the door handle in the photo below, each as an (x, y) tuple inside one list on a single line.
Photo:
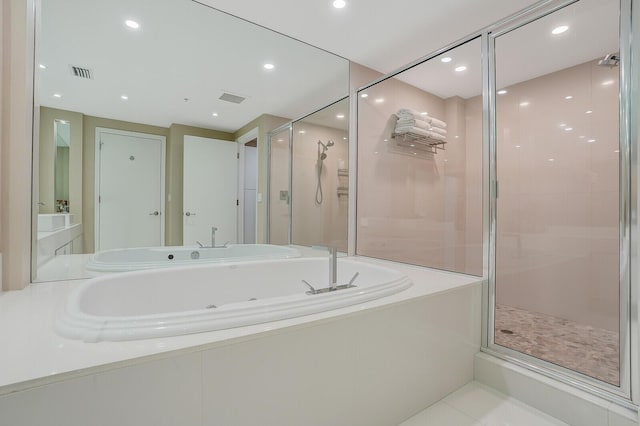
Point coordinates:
[(156, 213), (189, 214)]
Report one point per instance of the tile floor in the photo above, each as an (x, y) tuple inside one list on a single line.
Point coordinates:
[(478, 405), (588, 350)]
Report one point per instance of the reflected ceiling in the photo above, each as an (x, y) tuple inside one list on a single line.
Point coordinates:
[(177, 64)]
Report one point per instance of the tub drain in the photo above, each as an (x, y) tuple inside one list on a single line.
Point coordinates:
[(210, 306)]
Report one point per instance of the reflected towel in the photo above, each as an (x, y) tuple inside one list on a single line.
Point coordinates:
[(405, 122), (438, 130), (410, 114)]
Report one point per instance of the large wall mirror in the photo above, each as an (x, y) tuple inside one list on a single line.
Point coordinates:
[(149, 114)]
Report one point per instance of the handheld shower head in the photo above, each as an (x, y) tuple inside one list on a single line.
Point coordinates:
[(323, 156)]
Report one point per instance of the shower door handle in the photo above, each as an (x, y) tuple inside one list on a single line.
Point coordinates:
[(189, 214), (156, 213)]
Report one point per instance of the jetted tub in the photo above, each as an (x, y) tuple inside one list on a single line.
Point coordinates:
[(157, 303), (133, 259)]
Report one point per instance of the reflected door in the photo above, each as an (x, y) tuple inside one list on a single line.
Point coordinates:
[(210, 188), (130, 183)]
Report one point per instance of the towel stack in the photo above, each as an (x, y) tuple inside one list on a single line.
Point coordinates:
[(410, 121)]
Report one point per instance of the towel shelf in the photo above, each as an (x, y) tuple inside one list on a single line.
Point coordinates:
[(418, 142)]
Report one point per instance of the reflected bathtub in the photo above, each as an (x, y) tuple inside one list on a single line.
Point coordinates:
[(159, 303), (133, 259)]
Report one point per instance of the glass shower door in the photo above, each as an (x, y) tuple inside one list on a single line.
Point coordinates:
[(279, 185), (557, 241)]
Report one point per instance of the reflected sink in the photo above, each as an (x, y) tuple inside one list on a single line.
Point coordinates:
[(54, 221)]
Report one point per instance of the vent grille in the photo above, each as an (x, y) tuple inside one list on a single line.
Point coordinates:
[(232, 98), (82, 72)]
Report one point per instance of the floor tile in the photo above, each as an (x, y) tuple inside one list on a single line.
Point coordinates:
[(440, 414)]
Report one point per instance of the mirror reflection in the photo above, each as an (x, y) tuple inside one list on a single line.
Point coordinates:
[(150, 101)]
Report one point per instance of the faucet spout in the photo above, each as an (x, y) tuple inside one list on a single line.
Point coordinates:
[(213, 236), (333, 265)]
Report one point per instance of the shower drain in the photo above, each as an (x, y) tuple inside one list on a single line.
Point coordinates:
[(210, 306), (505, 331)]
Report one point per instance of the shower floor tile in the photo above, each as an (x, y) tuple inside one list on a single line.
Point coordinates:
[(588, 350)]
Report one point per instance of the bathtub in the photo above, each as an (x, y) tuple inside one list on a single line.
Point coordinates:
[(159, 303), (133, 259)]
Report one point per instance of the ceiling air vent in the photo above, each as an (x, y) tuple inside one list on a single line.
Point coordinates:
[(231, 98), (82, 72)]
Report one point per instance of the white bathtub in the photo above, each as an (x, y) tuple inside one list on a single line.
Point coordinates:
[(120, 260), (157, 303)]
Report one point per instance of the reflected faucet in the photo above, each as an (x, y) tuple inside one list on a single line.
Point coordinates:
[(213, 240)]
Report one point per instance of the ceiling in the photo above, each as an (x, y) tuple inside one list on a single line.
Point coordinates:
[(160, 65)]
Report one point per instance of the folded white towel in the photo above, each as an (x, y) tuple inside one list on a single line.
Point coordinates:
[(408, 111), (438, 123), (422, 132), (414, 123), (438, 130)]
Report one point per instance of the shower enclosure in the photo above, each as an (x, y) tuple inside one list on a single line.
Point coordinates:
[(541, 147)]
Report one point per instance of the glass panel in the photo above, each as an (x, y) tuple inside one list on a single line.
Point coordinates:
[(62, 139), (321, 177), (557, 242), (420, 163), (279, 196)]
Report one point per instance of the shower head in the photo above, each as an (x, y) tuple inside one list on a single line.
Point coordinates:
[(323, 156), (611, 60), (329, 143)]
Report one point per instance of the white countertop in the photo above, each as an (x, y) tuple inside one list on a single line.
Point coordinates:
[(33, 354)]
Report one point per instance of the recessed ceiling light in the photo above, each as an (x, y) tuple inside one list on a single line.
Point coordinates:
[(446, 59), (280, 140), (339, 4), (124, 97), (617, 150), (461, 68), (412, 146), (302, 132), (340, 116), (568, 129), (215, 114), (424, 113), (502, 92), (379, 100), (588, 112), (57, 95), (344, 138), (132, 24), (568, 97), (591, 140), (517, 146), (552, 159), (269, 66), (607, 82), (386, 140), (562, 124), (559, 30), (42, 66), (524, 104), (364, 95)]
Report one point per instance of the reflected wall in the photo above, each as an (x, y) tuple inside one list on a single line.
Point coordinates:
[(418, 203)]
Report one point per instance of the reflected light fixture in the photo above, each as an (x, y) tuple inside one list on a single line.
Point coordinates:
[(562, 124), (523, 104), (215, 114), (132, 24), (364, 95), (42, 66), (339, 4), (269, 66), (568, 129), (502, 92), (340, 116), (424, 113), (591, 140), (461, 68), (569, 97), (517, 146), (302, 132), (379, 100), (57, 95), (124, 97), (559, 30), (446, 59), (607, 82), (588, 112), (552, 159)]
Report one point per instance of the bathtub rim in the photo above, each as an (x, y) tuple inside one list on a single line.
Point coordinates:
[(72, 322)]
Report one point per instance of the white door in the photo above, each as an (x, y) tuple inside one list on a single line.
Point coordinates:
[(129, 189), (210, 190)]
